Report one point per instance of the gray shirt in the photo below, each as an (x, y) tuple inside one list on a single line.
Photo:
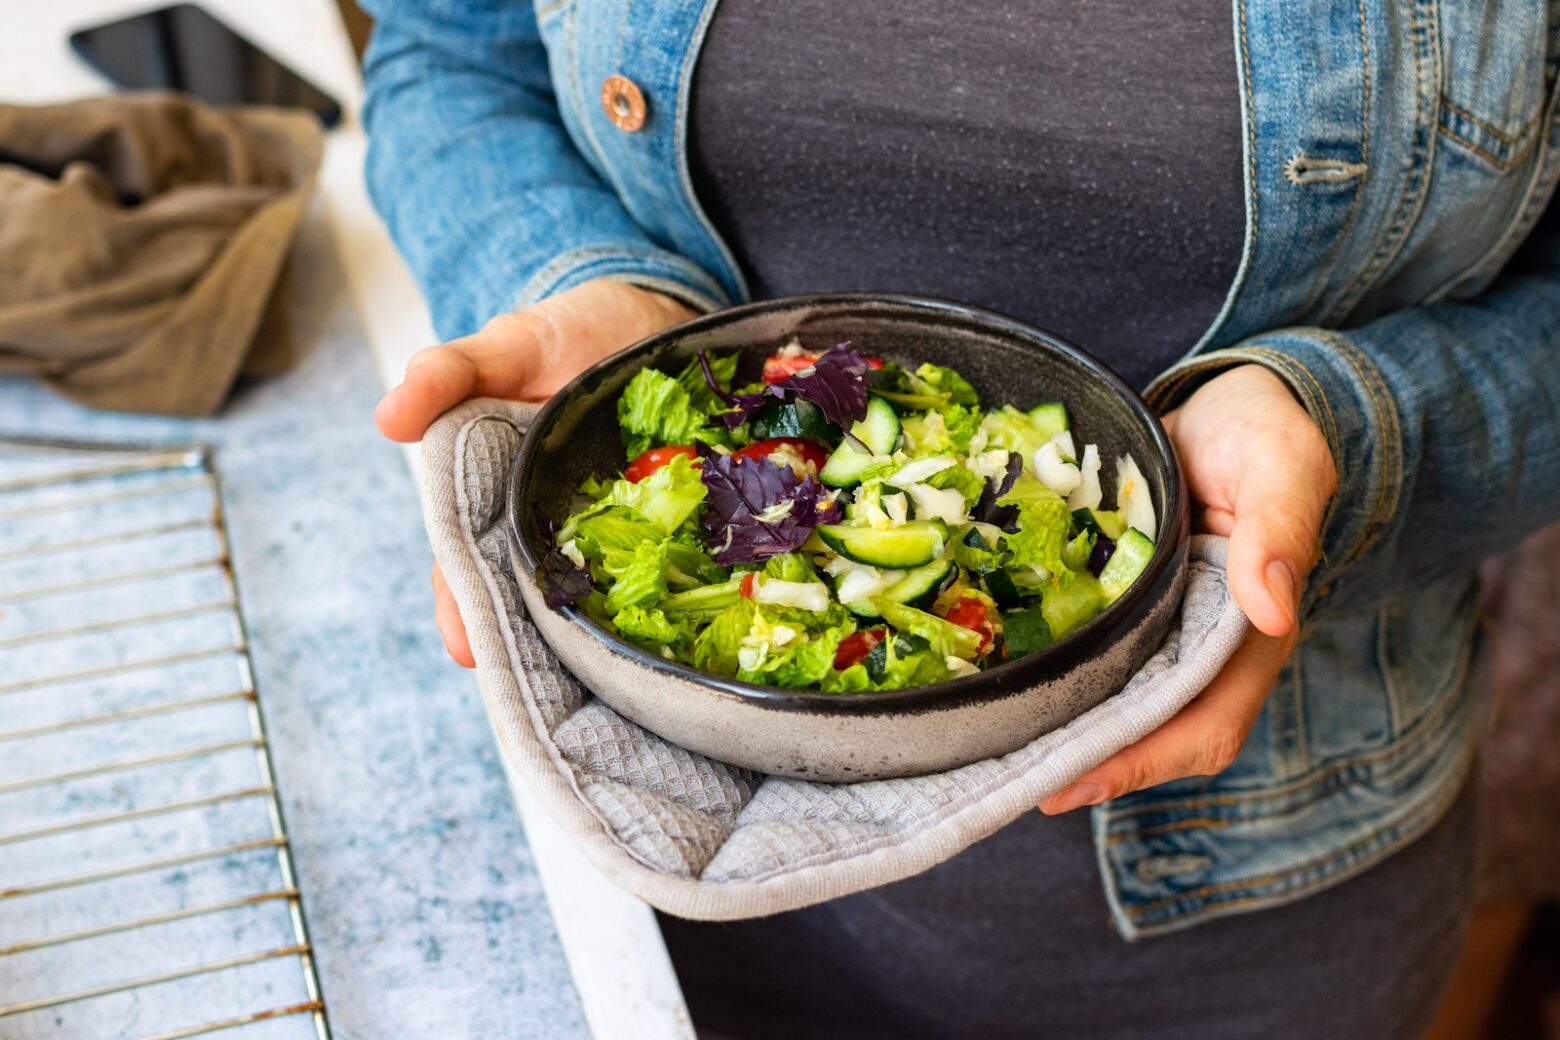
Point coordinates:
[(1073, 163)]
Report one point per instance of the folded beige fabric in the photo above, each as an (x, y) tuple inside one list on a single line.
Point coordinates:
[(142, 239), (702, 839)]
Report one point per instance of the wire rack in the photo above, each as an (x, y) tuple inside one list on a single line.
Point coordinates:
[(147, 889)]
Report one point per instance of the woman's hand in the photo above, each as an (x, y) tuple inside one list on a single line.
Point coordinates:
[(1259, 472), (526, 355)]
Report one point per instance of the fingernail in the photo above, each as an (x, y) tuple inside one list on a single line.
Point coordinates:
[(1282, 584), (1075, 797)]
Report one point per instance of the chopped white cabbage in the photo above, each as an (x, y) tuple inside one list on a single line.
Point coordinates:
[(572, 551), (1055, 472), (958, 666), (979, 441), (776, 512), (1134, 498), (862, 581), (803, 595), (917, 471), (1087, 494), (897, 508), (1064, 443), (991, 465), (946, 504)]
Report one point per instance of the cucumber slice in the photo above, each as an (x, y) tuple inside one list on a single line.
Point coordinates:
[(879, 430), (1050, 418), (1001, 588), (911, 544), (1133, 551), (1066, 609), (918, 583)]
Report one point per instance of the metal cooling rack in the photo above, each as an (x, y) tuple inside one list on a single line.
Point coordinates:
[(147, 889)]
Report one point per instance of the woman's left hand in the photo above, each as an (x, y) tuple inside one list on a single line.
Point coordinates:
[(1260, 472)]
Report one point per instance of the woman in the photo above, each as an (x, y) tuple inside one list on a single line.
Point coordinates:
[(1295, 224)]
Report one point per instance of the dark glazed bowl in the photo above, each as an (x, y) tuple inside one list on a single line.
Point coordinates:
[(836, 737)]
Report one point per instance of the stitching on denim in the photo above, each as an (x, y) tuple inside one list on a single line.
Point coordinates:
[(1162, 390), (565, 265), (1383, 656), (1324, 269), (1304, 170), (1389, 837), (1391, 443), (1535, 199), (1503, 165), (1211, 823), (1251, 129), (1521, 132), (1446, 701), (1425, 35), (586, 112), (544, 10)]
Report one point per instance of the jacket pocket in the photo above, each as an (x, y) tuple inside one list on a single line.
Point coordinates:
[(1493, 55)]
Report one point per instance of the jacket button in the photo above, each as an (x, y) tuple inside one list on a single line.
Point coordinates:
[(623, 102)]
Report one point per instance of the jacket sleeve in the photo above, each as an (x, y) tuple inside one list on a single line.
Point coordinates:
[(471, 168), (1444, 422)]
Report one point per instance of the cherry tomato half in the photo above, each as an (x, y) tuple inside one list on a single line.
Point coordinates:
[(654, 459), (779, 367), (810, 451), (855, 647), (970, 613)]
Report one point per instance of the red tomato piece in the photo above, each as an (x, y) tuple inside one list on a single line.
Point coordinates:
[(780, 367), (855, 647), (970, 613), (748, 583), (810, 451), (654, 459)]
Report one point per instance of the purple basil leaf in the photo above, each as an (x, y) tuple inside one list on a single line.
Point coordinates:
[(741, 491), (836, 383), (561, 581), (986, 509)]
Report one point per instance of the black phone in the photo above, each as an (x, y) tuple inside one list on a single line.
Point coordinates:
[(184, 48)]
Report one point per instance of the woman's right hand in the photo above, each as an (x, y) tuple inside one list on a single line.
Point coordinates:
[(525, 355)]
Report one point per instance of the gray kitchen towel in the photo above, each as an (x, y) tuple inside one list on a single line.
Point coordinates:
[(701, 839)]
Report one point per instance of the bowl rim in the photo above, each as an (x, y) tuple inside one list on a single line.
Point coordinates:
[(1005, 679)]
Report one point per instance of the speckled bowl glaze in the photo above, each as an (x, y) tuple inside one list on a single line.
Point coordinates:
[(867, 736)]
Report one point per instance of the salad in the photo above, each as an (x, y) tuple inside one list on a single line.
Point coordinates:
[(845, 525)]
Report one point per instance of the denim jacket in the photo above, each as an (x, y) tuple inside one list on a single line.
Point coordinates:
[(1400, 273)]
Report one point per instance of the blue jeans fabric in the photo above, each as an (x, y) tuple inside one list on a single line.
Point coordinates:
[(1401, 271)]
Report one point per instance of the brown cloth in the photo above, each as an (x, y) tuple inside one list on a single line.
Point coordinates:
[(142, 239)]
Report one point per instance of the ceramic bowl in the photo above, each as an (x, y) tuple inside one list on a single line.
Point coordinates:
[(835, 737)]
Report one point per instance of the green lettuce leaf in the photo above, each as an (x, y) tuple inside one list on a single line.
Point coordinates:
[(966, 481), (715, 649), (1009, 428), (653, 630), (1044, 523), (666, 497), (945, 637), (790, 566), (946, 381), (640, 574), (655, 409)]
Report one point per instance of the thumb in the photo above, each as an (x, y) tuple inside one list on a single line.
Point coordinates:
[(1281, 495)]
